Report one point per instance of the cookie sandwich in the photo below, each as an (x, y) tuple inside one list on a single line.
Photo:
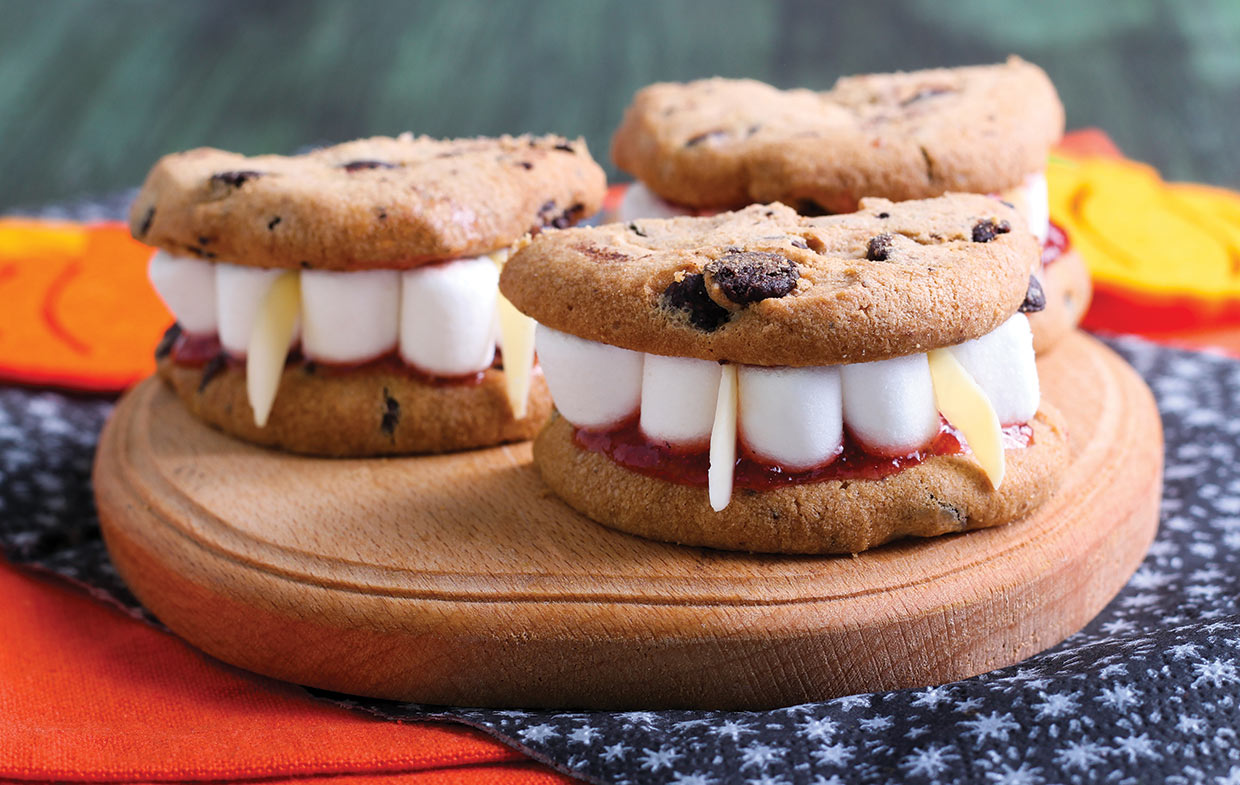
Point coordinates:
[(720, 144), (765, 381), (344, 302)]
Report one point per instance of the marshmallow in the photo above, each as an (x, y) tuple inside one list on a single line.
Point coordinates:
[(447, 316), (593, 385), (791, 416), (1037, 205), (239, 291), (187, 287), (1002, 363), (349, 316), (640, 202), (889, 404), (678, 399)]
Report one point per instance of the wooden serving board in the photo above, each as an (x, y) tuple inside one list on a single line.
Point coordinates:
[(460, 580)]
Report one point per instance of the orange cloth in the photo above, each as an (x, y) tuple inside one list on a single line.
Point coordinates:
[(89, 694)]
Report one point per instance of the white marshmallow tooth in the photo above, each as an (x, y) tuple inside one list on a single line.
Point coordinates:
[(187, 287), (1003, 364), (349, 317), (239, 292), (678, 399), (594, 385), (447, 316), (791, 416), (889, 404), (640, 202)]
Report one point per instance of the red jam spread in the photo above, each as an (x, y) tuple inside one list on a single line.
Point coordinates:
[(1056, 245), (629, 447), (198, 350)]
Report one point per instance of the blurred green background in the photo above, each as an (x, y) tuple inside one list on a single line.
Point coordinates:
[(93, 91)]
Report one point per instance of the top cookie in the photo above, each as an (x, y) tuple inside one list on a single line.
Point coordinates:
[(765, 286), (379, 202), (727, 143)]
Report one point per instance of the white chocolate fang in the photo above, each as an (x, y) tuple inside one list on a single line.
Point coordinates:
[(268, 345), (722, 469), (966, 407)]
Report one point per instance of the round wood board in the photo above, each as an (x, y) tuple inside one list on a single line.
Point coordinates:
[(461, 580)]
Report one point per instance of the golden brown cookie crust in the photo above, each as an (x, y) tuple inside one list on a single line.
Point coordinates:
[(370, 203), (1068, 290), (362, 412), (944, 494), (726, 143), (622, 284)]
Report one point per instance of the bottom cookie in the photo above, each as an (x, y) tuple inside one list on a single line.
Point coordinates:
[(361, 412), (941, 495), (1068, 290)]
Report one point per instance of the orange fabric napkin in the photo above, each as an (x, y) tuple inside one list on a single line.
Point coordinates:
[(89, 694)]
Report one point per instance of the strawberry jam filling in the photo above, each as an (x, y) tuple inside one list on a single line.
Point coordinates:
[(1056, 245), (630, 448), (197, 350)]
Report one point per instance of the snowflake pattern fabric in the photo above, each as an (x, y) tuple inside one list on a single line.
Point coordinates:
[(1146, 693)]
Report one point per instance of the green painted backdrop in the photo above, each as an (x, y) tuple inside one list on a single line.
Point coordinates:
[(92, 91)]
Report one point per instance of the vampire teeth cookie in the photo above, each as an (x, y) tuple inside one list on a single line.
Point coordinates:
[(765, 381), (344, 302), (717, 144)]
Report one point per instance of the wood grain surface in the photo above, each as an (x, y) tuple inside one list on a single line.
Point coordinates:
[(460, 580)]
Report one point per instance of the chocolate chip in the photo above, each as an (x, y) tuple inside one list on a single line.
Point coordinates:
[(212, 369), (563, 220), (689, 296), (391, 413), (168, 341), (884, 215), (694, 141), (986, 230), (880, 247), (235, 179), (749, 276), (204, 240), (304, 265), (272, 223), (526, 165), (809, 207), (637, 230), (310, 367), (146, 222), (564, 147), (1035, 298), (357, 166), (381, 214)]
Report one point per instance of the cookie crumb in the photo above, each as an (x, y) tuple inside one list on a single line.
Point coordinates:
[(880, 247), (744, 277), (1035, 298), (687, 293), (986, 230)]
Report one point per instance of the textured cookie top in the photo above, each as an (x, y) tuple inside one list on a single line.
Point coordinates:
[(378, 202), (765, 286), (727, 143)]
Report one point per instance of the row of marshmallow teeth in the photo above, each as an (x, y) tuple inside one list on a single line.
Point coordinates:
[(444, 319), (795, 417), (1031, 199)]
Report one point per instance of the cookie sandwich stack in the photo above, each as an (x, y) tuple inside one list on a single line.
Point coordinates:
[(765, 381), (345, 302), (720, 144)]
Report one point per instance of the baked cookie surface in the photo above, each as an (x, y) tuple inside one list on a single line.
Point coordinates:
[(360, 412), (944, 494), (765, 286), (726, 143), (379, 202)]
